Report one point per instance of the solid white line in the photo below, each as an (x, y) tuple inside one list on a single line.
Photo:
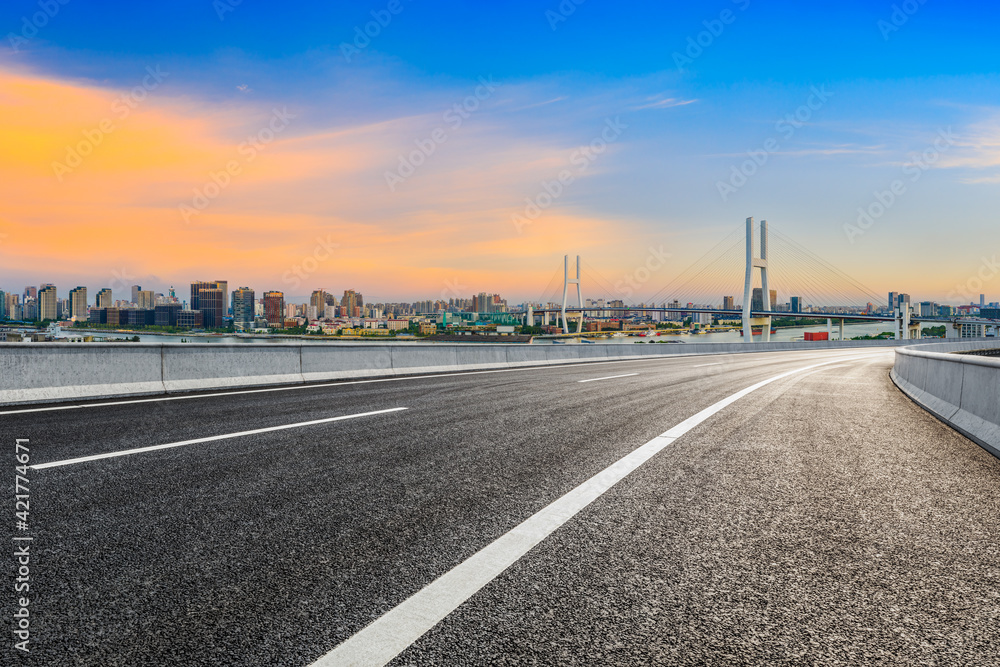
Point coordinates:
[(397, 629), (703, 365), (612, 377), (298, 387), (140, 450)]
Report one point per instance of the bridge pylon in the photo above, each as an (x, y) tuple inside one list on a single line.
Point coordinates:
[(579, 295), (754, 262)]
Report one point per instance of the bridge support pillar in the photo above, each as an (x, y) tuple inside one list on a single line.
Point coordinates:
[(579, 295), (841, 329), (756, 263), (829, 328), (529, 320), (906, 321)]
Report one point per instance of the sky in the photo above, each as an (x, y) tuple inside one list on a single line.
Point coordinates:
[(416, 150)]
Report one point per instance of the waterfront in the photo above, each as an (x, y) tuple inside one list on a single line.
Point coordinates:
[(781, 335)]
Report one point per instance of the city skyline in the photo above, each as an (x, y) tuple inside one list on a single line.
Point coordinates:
[(142, 298), (223, 152)]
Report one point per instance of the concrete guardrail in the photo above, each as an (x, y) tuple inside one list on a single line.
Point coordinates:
[(53, 372), (961, 390)]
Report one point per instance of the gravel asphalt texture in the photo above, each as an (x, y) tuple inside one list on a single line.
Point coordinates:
[(823, 519)]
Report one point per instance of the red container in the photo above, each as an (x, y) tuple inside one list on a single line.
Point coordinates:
[(817, 335)]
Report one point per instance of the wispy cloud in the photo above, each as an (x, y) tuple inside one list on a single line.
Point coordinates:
[(542, 104), (666, 103)]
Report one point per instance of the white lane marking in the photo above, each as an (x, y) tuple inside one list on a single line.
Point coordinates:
[(611, 377), (389, 635), (140, 450), (338, 383), (703, 365)]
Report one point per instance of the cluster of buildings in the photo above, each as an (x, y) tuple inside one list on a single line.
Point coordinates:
[(212, 305)]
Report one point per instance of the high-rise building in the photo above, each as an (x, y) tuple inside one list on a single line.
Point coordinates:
[(757, 300), (48, 307), (104, 299), (728, 303), (78, 304), (318, 300), (3, 305), (31, 293), (135, 293), (219, 308), (352, 303), (243, 306), (145, 298), (212, 307), (893, 300), (274, 309), (796, 304), (196, 288), (928, 309), (224, 286)]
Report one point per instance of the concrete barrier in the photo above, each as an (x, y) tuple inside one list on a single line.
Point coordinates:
[(525, 355), (420, 359), (959, 389), (339, 362), (51, 372), (43, 372), (197, 367)]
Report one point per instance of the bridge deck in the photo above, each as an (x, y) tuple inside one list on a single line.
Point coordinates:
[(821, 518)]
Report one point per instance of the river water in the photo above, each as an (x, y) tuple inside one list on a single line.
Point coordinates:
[(782, 335)]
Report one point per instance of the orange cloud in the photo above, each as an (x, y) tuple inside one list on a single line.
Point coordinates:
[(98, 181)]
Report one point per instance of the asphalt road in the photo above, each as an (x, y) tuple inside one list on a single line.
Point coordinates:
[(821, 519)]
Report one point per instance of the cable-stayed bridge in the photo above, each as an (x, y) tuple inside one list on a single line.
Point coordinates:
[(731, 279)]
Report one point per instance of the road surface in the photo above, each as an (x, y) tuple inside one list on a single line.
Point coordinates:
[(819, 518)]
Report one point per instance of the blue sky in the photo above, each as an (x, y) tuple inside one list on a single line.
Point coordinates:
[(875, 85)]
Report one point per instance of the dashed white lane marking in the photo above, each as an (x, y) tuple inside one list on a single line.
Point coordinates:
[(610, 377), (397, 629), (703, 365), (183, 443)]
